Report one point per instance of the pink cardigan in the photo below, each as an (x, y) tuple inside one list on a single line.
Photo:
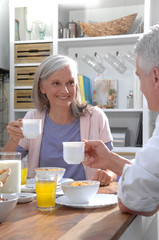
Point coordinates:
[(93, 127)]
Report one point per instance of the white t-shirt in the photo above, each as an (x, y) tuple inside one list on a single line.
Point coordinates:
[(139, 184)]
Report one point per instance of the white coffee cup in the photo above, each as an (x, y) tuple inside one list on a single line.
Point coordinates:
[(73, 152), (31, 127)]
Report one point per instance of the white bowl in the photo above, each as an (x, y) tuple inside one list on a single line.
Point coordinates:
[(80, 194), (7, 206), (51, 171)]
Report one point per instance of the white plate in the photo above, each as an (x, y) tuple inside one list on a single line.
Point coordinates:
[(59, 191), (32, 180), (100, 200), (25, 197), (30, 186)]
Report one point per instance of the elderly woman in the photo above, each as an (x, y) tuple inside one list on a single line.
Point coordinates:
[(56, 97)]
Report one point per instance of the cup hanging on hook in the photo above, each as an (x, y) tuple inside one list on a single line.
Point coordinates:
[(94, 63), (130, 57), (116, 61)]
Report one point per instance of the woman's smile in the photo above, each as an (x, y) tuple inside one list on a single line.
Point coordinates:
[(63, 98)]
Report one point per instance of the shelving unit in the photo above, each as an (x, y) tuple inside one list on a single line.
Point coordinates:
[(77, 47), (4, 76)]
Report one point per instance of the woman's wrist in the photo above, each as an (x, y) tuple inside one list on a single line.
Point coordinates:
[(11, 145), (13, 140)]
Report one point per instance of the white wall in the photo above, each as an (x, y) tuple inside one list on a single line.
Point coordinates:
[(4, 34)]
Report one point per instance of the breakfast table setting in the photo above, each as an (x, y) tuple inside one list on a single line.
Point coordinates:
[(67, 222), (49, 206)]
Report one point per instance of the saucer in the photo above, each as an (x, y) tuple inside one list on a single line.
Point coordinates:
[(30, 186), (25, 197), (100, 200)]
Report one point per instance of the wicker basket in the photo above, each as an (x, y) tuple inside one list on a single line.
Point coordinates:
[(115, 27)]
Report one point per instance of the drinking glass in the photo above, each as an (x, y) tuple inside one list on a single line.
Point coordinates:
[(24, 170), (94, 63), (29, 28), (130, 57), (31, 127), (73, 152), (46, 191), (116, 62), (41, 27)]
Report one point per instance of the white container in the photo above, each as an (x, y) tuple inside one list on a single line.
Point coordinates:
[(7, 206), (13, 182), (31, 128), (80, 194), (73, 152)]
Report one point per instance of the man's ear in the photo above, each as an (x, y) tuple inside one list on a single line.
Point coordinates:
[(156, 77), (41, 88)]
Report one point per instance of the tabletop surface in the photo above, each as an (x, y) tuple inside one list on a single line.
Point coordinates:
[(65, 223)]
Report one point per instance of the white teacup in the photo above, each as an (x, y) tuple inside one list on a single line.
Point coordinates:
[(31, 128), (73, 152)]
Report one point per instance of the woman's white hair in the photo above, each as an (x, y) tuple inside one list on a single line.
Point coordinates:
[(147, 50), (49, 66)]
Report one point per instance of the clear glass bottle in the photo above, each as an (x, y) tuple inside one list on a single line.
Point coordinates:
[(130, 99)]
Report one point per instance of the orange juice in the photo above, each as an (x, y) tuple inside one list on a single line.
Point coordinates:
[(24, 173), (45, 194)]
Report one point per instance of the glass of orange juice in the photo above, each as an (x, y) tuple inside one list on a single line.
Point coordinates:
[(24, 171), (46, 191)]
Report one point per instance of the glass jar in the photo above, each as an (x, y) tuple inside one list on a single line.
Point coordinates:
[(130, 100), (12, 161)]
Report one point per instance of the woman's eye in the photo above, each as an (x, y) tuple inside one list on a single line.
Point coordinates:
[(55, 83), (71, 82)]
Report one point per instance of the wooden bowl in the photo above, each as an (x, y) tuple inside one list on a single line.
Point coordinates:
[(114, 27)]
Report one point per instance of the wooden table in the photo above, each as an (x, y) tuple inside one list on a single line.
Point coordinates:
[(64, 223)]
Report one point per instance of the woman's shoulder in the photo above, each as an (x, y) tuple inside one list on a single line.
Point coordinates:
[(34, 113), (95, 110)]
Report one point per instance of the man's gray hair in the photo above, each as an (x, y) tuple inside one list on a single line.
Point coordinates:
[(147, 50)]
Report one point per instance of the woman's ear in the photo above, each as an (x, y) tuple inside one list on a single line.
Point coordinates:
[(42, 88), (156, 77)]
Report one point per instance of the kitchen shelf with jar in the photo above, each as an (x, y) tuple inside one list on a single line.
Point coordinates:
[(101, 12), (32, 22)]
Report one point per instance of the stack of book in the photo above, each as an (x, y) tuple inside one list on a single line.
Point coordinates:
[(85, 88)]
